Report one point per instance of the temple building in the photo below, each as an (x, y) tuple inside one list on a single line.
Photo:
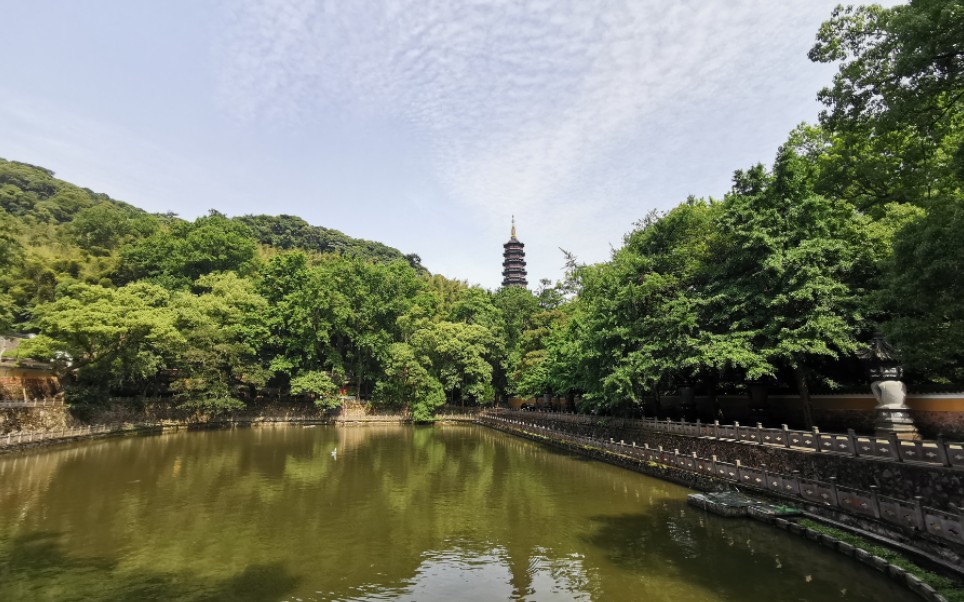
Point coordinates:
[(514, 261)]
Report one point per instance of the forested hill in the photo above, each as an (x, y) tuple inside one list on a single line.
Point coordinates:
[(219, 312), (53, 232)]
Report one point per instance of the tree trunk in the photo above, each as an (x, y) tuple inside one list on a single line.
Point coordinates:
[(804, 390)]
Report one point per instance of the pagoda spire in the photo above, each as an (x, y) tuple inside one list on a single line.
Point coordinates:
[(513, 226)]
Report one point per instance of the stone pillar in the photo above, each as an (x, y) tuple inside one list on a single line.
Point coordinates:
[(893, 415)]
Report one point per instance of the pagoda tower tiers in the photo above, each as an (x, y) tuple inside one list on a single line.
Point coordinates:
[(514, 261)]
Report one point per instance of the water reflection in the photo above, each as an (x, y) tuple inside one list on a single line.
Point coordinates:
[(425, 513)]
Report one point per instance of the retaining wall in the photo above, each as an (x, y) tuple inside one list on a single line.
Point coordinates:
[(940, 486)]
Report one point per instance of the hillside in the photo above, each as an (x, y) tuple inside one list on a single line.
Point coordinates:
[(54, 233)]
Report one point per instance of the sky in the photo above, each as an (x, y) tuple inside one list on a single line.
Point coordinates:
[(422, 124)]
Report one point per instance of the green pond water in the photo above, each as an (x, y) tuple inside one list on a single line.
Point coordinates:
[(381, 513)]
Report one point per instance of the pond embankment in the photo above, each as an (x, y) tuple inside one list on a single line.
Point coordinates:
[(33, 423), (876, 496)]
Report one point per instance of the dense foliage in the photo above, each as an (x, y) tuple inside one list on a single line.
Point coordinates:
[(856, 227), (221, 311)]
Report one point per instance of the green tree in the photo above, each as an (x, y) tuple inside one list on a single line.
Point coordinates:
[(10, 248), (407, 382), (223, 327), (105, 226), (894, 109), (792, 269), (317, 385), (112, 339), (456, 353), (923, 293), (178, 257), (369, 299), (300, 318)]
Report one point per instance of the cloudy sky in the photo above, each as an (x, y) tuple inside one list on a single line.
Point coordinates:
[(423, 124)]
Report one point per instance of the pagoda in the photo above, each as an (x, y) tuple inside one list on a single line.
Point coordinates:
[(514, 261)]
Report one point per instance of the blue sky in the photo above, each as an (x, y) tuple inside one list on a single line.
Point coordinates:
[(421, 124)]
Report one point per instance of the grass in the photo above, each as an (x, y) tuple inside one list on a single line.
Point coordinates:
[(953, 591)]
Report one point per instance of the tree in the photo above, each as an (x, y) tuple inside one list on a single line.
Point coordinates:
[(317, 385), (114, 339), (300, 319), (792, 266), (894, 108), (105, 226), (178, 257), (893, 132), (407, 382), (455, 354), (10, 248), (923, 292), (223, 327), (517, 306), (369, 299)]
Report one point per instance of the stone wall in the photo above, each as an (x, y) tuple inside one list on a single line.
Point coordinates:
[(30, 386), (938, 485), (934, 414), (36, 420), (914, 542)]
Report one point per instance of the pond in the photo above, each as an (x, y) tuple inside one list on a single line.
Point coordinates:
[(455, 512)]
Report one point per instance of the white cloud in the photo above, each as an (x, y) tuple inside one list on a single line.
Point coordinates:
[(556, 111)]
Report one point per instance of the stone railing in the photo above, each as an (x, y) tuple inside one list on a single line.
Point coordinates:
[(15, 439), (32, 403), (903, 513), (19, 438), (938, 452)]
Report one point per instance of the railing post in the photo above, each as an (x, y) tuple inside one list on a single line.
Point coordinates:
[(852, 442), (833, 492), (716, 429), (942, 456), (766, 477), (874, 501), (759, 433), (796, 483), (713, 463), (919, 513), (786, 435), (895, 447), (816, 438)]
